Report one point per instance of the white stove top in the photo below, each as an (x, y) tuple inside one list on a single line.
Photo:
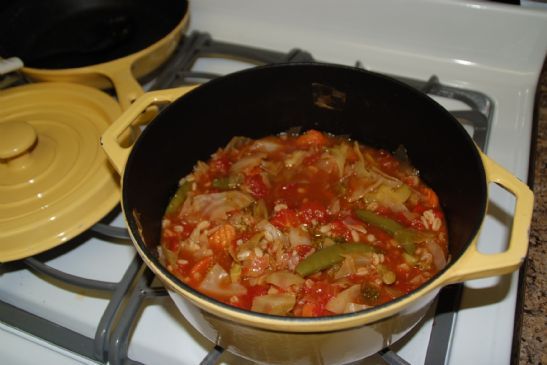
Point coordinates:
[(494, 49)]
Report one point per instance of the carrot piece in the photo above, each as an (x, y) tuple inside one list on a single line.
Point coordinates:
[(309, 310), (311, 137), (430, 199), (285, 218), (199, 270), (223, 236)]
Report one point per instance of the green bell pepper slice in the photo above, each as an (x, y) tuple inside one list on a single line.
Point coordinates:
[(179, 197), (329, 256), (405, 236)]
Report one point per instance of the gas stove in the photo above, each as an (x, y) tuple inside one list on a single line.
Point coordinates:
[(93, 301)]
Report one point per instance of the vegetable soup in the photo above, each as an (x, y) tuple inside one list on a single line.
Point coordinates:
[(304, 225)]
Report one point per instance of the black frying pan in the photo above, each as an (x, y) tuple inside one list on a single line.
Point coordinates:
[(79, 40)]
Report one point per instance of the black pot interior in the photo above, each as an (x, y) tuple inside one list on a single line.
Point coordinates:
[(368, 107), (59, 34)]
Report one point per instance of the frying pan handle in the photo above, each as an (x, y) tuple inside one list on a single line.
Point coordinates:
[(113, 138), (473, 264), (127, 87)]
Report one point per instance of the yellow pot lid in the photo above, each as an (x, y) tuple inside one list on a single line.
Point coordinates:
[(55, 180)]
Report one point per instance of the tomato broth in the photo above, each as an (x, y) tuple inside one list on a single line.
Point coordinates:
[(304, 225)]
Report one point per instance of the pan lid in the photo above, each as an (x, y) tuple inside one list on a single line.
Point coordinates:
[(55, 180)]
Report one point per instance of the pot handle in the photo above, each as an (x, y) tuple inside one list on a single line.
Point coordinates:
[(112, 139), (474, 264)]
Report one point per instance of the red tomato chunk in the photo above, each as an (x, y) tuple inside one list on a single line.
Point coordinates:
[(303, 225)]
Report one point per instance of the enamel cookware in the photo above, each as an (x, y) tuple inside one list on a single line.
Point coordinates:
[(368, 107)]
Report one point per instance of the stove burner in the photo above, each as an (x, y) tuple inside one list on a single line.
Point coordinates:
[(196, 45), (111, 341)]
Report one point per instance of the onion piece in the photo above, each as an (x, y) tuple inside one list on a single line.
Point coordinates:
[(284, 279), (167, 256), (197, 231), (338, 303), (271, 232), (200, 169), (347, 268), (362, 260), (340, 154), (266, 145), (364, 186), (354, 307), (354, 224), (237, 142), (436, 251), (295, 158), (247, 163), (334, 207), (359, 166), (217, 282), (298, 236), (328, 163), (214, 206), (387, 179), (391, 197), (279, 304), (394, 293)]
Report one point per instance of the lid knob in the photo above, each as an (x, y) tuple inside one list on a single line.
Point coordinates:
[(16, 138)]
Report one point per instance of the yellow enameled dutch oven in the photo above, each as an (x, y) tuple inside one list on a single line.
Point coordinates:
[(103, 43), (368, 107)]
